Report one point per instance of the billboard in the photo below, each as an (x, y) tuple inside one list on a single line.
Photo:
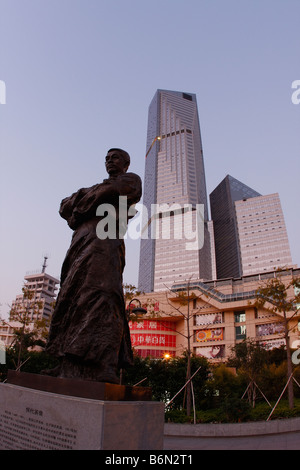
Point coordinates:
[(210, 335), (269, 329), (209, 318), (272, 344), (211, 352), (297, 292)]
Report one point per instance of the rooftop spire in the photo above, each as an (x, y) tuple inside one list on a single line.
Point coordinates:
[(45, 264)]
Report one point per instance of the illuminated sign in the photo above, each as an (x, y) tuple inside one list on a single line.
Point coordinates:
[(152, 325), (153, 333), (148, 339)]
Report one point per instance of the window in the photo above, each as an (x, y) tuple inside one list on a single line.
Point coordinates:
[(239, 316), (187, 97), (240, 332)]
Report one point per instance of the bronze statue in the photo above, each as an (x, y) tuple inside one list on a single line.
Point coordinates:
[(89, 331)]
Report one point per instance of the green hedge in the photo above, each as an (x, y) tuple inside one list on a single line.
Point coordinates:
[(235, 414)]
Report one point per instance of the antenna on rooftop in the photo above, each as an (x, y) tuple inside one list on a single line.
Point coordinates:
[(45, 263)]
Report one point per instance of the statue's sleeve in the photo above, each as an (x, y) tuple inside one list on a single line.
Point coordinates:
[(69, 204), (82, 205), (130, 186)]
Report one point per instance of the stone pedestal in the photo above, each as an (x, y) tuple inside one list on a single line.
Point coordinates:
[(42, 420), (79, 388)]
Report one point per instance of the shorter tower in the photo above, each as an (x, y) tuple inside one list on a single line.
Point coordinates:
[(263, 239), (250, 232)]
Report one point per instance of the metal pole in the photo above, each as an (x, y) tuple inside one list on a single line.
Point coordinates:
[(263, 394), (183, 386), (280, 397), (140, 382), (193, 396)]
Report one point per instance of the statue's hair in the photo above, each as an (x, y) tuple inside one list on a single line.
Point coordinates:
[(124, 154)]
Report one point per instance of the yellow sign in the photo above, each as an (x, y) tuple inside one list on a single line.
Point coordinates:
[(209, 335)]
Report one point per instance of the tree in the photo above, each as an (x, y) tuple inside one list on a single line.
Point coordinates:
[(164, 377), (184, 298), (249, 358), (282, 298), (130, 291)]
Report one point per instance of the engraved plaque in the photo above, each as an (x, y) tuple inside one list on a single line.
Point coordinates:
[(37, 420)]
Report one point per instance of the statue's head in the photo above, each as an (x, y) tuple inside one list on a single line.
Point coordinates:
[(117, 161)]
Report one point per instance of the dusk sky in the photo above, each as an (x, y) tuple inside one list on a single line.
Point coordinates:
[(80, 75)]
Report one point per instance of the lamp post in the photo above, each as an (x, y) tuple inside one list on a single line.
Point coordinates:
[(136, 310), (153, 142)]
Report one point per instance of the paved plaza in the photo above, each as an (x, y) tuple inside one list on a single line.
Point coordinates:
[(286, 441), (281, 434)]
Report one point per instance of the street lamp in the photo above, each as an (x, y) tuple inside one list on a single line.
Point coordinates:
[(153, 142), (136, 310)]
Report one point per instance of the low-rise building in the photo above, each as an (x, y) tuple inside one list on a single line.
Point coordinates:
[(42, 289), (213, 316)]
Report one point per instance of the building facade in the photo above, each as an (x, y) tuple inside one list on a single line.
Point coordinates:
[(174, 188), (218, 315), (43, 288), (262, 234), (26, 310)]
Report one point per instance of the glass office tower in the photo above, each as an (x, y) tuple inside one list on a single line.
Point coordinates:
[(263, 238), (174, 195), (228, 258), (250, 232)]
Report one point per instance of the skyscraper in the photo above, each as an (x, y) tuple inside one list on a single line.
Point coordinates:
[(249, 229), (174, 178)]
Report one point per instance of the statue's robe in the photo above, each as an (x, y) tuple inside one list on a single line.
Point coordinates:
[(89, 328)]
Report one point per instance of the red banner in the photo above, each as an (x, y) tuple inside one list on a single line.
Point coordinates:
[(151, 339), (152, 325)]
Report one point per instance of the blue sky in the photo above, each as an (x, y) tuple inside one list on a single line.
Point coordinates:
[(80, 75)]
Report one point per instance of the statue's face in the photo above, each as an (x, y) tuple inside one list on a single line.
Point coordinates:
[(114, 163)]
